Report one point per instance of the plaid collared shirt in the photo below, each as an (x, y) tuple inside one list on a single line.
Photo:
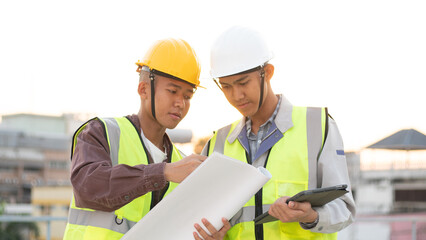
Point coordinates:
[(256, 140)]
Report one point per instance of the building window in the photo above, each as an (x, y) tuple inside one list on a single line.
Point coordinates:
[(46, 209), (416, 195), (58, 165)]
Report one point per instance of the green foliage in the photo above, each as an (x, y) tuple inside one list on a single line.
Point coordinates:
[(16, 230), (1, 207)]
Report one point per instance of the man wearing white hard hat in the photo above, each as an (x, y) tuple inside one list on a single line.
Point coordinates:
[(300, 146)]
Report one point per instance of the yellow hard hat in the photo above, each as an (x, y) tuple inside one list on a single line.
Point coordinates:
[(174, 57)]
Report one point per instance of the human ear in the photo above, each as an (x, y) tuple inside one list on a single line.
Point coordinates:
[(143, 90), (269, 71)]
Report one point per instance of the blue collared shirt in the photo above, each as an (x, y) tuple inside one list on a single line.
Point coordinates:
[(265, 130)]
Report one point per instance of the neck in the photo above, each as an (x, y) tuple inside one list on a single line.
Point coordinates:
[(265, 112), (152, 130)]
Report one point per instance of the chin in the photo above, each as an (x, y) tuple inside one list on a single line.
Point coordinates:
[(246, 113), (171, 125)]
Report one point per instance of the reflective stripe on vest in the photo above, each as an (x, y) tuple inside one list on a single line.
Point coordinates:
[(99, 219), (247, 214), (125, 148), (302, 144), (113, 136)]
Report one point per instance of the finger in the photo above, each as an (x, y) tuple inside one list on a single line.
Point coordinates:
[(226, 225), (196, 237), (201, 231), (292, 205), (283, 200), (279, 205), (279, 211), (272, 210), (304, 206), (209, 226)]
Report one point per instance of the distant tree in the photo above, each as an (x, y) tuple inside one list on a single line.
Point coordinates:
[(200, 144), (17, 230)]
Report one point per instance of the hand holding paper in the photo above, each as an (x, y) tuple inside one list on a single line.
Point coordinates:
[(218, 188), (214, 234), (178, 171)]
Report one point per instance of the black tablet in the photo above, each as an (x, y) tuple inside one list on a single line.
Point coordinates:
[(317, 197), (320, 196)]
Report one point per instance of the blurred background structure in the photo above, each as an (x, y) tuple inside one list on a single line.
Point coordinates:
[(388, 177), (389, 181)]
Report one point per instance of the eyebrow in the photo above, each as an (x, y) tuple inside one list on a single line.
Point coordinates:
[(179, 87), (237, 80)]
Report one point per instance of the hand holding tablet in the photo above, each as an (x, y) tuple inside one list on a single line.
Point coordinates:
[(317, 197)]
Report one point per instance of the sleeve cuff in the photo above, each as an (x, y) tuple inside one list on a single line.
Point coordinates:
[(154, 179), (323, 220), (310, 225)]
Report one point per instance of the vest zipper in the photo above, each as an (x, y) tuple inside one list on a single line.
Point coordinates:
[(258, 201), (169, 160)]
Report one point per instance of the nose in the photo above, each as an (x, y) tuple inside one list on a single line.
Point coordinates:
[(179, 101), (237, 93)]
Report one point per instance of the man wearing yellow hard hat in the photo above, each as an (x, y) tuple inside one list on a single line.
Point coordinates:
[(122, 167)]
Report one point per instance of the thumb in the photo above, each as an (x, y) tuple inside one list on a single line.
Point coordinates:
[(292, 204)]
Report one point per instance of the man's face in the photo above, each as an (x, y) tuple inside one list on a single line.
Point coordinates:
[(242, 91), (172, 100)]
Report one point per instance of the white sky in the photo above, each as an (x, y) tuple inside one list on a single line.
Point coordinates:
[(364, 60)]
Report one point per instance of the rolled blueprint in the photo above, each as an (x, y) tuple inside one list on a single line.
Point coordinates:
[(218, 188)]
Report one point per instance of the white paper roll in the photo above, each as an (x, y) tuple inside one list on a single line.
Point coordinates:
[(218, 188)]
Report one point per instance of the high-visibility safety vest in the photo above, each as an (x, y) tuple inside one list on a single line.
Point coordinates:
[(126, 147), (288, 161)]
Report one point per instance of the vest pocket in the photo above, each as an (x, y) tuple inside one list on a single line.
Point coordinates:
[(289, 188), (295, 232), (133, 211), (101, 233)]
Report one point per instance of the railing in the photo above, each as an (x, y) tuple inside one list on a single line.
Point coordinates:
[(385, 219), (414, 220), (47, 219)]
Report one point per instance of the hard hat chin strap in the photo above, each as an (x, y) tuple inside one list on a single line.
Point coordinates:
[(151, 76), (262, 83)]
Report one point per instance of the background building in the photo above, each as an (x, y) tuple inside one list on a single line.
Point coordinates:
[(390, 176), (34, 166), (389, 181), (34, 151)]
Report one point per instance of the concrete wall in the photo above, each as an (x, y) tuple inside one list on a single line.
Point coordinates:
[(52, 201), (374, 198)]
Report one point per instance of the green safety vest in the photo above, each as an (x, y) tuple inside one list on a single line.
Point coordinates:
[(288, 162), (126, 147)]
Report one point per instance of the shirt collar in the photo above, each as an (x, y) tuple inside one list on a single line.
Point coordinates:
[(270, 120), (283, 120)]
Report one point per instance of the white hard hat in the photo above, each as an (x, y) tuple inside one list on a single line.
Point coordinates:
[(237, 50)]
